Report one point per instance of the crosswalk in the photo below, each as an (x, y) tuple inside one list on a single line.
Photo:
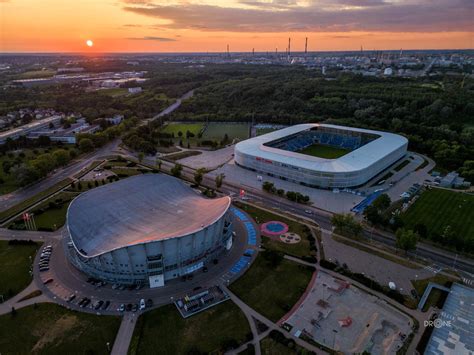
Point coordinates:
[(433, 268), (469, 282)]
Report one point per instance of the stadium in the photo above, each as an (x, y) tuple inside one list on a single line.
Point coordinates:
[(146, 230), (321, 155)]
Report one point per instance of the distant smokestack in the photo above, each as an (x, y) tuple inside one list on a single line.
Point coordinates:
[(228, 54), (306, 46), (289, 46), (253, 51)]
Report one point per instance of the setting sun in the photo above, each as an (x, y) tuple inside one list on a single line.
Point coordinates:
[(89, 43)]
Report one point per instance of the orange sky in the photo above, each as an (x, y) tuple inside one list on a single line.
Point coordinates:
[(208, 25)]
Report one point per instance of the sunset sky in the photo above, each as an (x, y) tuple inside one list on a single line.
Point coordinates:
[(209, 25)]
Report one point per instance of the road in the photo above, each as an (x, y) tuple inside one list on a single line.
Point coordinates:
[(432, 254)]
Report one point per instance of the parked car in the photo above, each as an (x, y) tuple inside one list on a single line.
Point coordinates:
[(149, 303), (98, 304), (71, 297), (135, 307), (106, 305), (47, 281), (121, 308), (142, 304)]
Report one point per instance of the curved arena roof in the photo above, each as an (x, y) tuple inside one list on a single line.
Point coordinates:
[(139, 209), (356, 160)]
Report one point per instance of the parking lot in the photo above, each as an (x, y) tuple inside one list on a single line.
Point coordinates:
[(347, 319)]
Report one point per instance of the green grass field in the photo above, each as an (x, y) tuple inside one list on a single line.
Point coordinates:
[(183, 127), (324, 151), (46, 217), (272, 291), (298, 250), (52, 329), (164, 331), (437, 208), (217, 131), (16, 264), (436, 296)]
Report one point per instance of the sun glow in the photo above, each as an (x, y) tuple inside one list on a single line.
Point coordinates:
[(89, 43)]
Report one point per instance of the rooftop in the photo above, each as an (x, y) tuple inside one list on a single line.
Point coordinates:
[(139, 209), (358, 159), (455, 334)]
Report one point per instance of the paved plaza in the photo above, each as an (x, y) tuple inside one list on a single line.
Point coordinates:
[(345, 318)]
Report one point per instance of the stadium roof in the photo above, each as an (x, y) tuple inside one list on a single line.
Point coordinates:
[(139, 209), (455, 332), (358, 159)]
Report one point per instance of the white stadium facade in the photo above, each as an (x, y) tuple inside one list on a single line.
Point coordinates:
[(146, 229), (276, 154)]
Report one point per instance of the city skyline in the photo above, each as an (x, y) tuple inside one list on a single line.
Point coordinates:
[(208, 26)]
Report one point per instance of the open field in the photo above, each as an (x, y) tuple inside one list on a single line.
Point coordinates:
[(437, 209), (52, 329), (269, 346), (217, 131), (36, 74), (300, 249), (324, 151), (164, 331), (16, 264), (174, 128), (272, 290)]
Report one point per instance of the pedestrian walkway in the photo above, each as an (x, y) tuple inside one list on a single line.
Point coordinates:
[(125, 334)]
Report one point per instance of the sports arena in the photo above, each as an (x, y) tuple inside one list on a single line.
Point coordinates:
[(146, 229), (321, 155)]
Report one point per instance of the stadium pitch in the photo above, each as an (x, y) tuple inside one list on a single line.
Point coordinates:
[(324, 151)]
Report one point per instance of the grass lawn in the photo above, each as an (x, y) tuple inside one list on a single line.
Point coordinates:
[(125, 172), (437, 208), (436, 296), (268, 346), (298, 250), (164, 331), (52, 329), (46, 217), (272, 291), (324, 151), (217, 131), (12, 211), (183, 127), (182, 155), (16, 264)]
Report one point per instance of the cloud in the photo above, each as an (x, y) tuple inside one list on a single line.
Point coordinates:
[(317, 16), (152, 38)]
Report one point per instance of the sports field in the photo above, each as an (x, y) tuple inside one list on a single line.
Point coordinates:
[(437, 208), (324, 151), (183, 127), (217, 131)]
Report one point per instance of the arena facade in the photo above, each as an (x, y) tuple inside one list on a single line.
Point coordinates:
[(277, 154), (146, 229)]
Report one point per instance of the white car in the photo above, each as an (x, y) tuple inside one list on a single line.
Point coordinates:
[(142, 304), (308, 211)]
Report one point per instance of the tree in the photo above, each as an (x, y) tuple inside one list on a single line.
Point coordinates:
[(382, 202), (421, 230), (219, 180), (345, 224), (268, 186), (86, 145), (176, 170), (198, 176), (180, 134), (406, 239), (141, 156), (61, 157)]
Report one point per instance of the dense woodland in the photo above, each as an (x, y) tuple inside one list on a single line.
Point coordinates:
[(435, 113)]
